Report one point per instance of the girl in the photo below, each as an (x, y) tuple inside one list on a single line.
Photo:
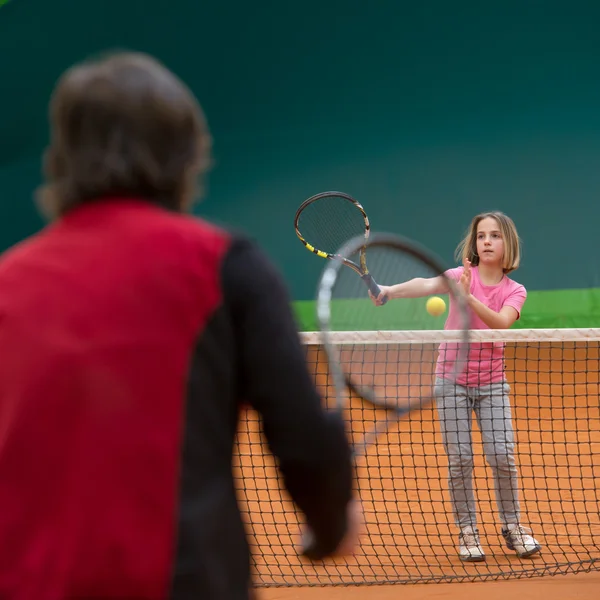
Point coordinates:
[(489, 251)]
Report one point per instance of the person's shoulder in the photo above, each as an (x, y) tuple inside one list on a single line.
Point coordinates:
[(231, 242), (191, 233), (204, 228), (195, 224), (233, 238), (23, 249), (513, 286), (454, 273)]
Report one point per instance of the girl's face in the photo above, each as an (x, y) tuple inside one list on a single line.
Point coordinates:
[(490, 244)]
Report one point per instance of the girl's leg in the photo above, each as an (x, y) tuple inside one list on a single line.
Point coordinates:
[(455, 413), (494, 416)]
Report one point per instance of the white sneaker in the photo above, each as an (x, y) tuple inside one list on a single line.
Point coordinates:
[(519, 539), (469, 548)]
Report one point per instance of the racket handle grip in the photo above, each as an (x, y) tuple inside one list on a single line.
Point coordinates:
[(373, 287)]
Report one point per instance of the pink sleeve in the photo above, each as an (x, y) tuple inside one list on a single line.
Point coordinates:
[(516, 298), (454, 273)]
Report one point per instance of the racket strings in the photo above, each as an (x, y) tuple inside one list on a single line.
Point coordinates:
[(398, 377), (330, 222)]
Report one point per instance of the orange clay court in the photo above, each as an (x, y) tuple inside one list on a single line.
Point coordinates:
[(410, 535)]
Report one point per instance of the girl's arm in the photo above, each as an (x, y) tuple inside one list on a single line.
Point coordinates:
[(416, 288), (494, 320)]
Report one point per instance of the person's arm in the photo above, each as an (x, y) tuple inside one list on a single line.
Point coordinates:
[(494, 320), (310, 444), (418, 287), (508, 314)]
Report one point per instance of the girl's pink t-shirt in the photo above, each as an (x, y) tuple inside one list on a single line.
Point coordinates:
[(485, 361)]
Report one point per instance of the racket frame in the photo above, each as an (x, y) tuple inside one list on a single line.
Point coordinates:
[(342, 382), (361, 269)]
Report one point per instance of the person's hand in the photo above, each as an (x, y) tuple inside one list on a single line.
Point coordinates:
[(385, 289), (466, 277), (351, 540)]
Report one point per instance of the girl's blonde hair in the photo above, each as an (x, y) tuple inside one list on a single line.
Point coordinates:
[(467, 249)]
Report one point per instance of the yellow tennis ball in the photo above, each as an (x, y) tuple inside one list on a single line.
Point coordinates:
[(435, 306)]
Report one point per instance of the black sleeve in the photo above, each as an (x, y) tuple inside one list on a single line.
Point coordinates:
[(309, 442)]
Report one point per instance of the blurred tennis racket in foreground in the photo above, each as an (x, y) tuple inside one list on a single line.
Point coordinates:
[(383, 361)]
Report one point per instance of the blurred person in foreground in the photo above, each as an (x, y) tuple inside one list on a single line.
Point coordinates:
[(130, 335)]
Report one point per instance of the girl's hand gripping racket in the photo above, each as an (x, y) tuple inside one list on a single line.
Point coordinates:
[(326, 221)]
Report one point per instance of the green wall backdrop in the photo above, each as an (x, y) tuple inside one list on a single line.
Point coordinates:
[(427, 112)]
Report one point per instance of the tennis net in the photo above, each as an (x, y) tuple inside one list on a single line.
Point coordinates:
[(411, 536)]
